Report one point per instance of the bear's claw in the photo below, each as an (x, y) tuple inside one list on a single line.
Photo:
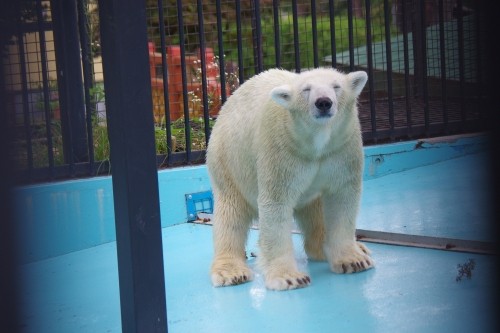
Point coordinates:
[(352, 259), (231, 274), (288, 281)]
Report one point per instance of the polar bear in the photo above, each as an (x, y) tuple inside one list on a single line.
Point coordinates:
[(285, 147)]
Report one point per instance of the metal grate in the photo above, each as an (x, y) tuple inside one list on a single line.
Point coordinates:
[(426, 63)]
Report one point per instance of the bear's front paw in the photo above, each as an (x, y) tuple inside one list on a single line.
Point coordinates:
[(351, 258), (287, 280), (230, 272)]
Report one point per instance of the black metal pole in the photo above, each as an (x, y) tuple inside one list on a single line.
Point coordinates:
[(25, 98), (333, 42), (241, 72), (129, 112), (406, 58), (388, 49), (257, 37), (182, 44), (350, 31), (420, 59), (461, 61), (88, 78), (424, 74), (296, 41), (314, 29), (164, 68), (369, 58), (10, 286), (69, 80), (442, 59), (222, 62), (203, 59), (45, 81), (276, 22)]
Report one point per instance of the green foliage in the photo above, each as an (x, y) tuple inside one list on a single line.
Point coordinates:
[(161, 141), (197, 133), (198, 142), (97, 93), (101, 142), (40, 146)]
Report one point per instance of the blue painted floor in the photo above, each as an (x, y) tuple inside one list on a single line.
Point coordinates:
[(410, 290), (447, 199)]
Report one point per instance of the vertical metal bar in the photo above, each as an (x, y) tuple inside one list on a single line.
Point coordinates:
[(406, 58), (254, 37), (222, 64), (70, 82), (277, 44), (11, 318), (388, 51), (258, 36), (88, 80), (187, 127), (133, 156), (314, 28), (296, 42), (203, 58), (442, 63), (461, 61), (25, 98), (423, 59), (333, 43), (350, 32), (164, 67), (241, 72), (46, 93), (478, 9), (369, 58)]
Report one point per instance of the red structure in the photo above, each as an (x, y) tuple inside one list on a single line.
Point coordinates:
[(194, 84)]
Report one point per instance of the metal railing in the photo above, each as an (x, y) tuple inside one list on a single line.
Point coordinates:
[(425, 61)]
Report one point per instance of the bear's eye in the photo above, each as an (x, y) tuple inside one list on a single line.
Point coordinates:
[(336, 87), (306, 89)]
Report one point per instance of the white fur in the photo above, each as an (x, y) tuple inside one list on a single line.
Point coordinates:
[(274, 156)]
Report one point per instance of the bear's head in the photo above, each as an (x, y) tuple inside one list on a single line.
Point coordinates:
[(320, 93)]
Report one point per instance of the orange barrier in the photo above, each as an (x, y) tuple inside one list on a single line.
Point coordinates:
[(194, 84)]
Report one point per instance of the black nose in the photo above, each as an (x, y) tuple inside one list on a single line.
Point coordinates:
[(323, 104)]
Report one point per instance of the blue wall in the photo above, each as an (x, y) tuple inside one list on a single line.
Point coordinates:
[(385, 159), (62, 217)]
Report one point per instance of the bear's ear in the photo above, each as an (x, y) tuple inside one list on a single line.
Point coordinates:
[(282, 95), (357, 81)]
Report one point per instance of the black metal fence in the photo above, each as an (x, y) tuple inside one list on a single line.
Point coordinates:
[(425, 60)]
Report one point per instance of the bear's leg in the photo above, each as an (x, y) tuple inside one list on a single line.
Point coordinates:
[(276, 256), (343, 252), (311, 222), (232, 219)]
